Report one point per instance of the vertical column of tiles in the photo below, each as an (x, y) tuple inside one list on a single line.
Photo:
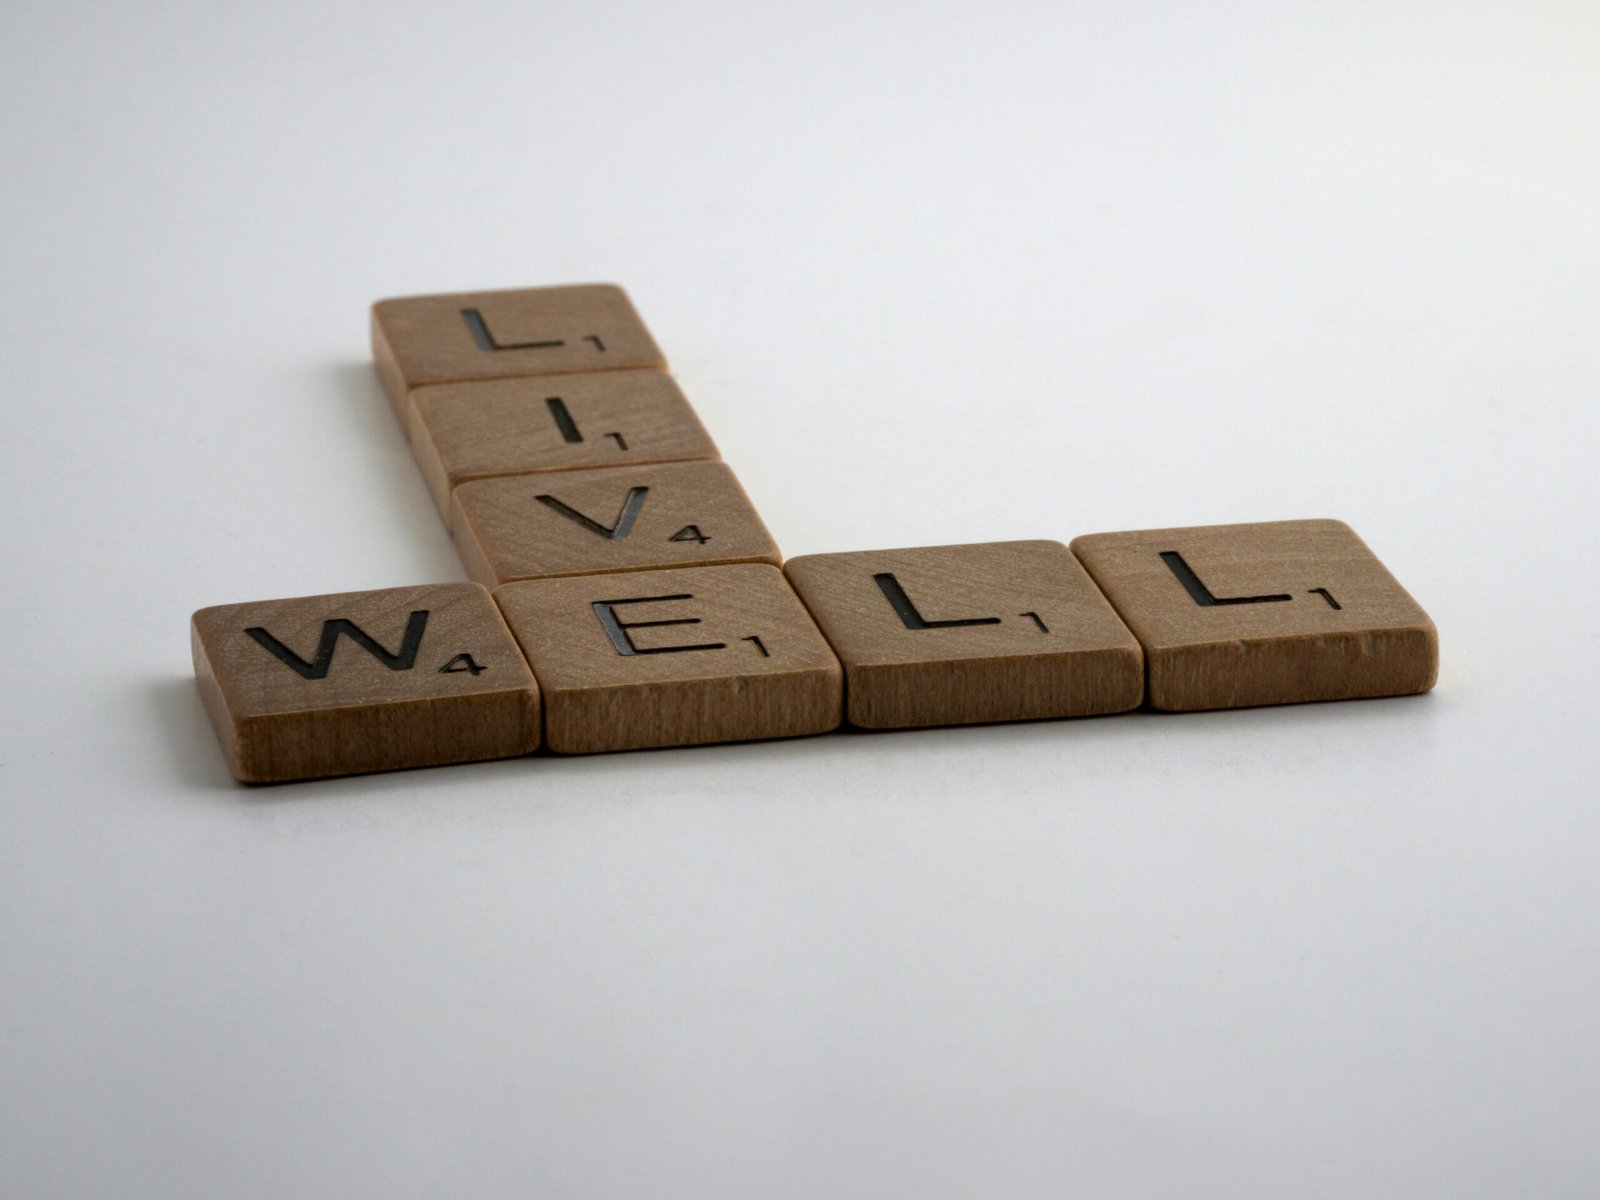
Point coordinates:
[(673, 658), (1273, 613), (364, 681), (591, 522), (467, 431), (948, 635), (475, 336)]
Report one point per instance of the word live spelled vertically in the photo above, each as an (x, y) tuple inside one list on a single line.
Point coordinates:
[(638, 600)]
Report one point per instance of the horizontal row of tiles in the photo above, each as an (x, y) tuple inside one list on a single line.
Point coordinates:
[(1209, 617)]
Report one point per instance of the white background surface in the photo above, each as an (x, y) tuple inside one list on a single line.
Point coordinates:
[(931, 273)]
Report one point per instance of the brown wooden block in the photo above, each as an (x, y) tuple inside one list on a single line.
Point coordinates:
[(673, 658), (419, 340), (953, 635), (1274, 613), (593, 522), (465, 431), (363, 681)]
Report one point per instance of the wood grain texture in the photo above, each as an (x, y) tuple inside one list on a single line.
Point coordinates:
[(466, 431), (295, 693), (593, 522), (460, 336), (1049, 644), (1238, 615), (674, 658)]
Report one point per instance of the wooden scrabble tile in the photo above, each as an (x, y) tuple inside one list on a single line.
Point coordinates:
[(592, 522), (673, 658), (464, 431), (953, 635), (418, 340), (1274, 613), (364, 681)]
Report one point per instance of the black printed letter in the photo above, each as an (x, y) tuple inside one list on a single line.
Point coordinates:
[(907, 611), (318, 667), (617, 630), (1202, 594), (480, 334), (630, 510)]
